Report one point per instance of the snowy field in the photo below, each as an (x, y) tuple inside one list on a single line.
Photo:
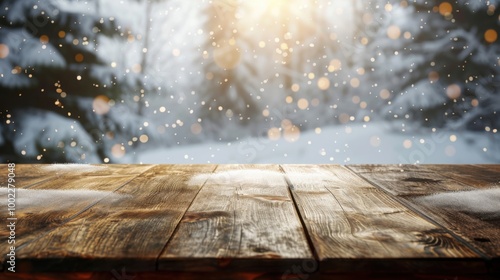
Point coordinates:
[(354, 144)]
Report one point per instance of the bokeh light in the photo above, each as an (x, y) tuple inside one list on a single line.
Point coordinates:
[(4, 51), (100, 105)]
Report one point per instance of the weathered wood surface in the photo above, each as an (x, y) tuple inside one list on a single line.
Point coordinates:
[(243, 218), (472, 175), (493, 167), (408, 180), (354, 225), (45, 206), (468, 207), (251, 221), (58, 193), (26, 175), (121, 274), (124, 274), (32, 170), (129, 228)]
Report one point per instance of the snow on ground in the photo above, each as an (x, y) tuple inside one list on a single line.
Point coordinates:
[(353, 144)]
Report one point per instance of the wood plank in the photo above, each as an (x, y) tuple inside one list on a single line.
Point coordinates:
[(243, 219), (26, 175), (3, 172), (37, 211), (495, 263), (493, 167), (471, 175), (3, 184), (411, 180), (469, 211), (356, 227), (129, 230), (3, 197), (84, 169), (122, 273), (47, 205)]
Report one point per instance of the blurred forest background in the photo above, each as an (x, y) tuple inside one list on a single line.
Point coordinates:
[(106, 80)]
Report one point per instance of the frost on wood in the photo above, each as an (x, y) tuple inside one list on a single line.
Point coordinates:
[(484, 204)]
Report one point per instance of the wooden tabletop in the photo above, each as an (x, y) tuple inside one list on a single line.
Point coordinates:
[(251, 221)]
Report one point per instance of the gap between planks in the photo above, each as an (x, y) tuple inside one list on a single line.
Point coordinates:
[(130, 237), (341, 230), (310, 242), (225, 248), (290, 187), (157, 263), (67, 220), (408, 205)]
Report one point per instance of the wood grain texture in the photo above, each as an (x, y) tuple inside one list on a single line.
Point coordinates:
[(470, 210), (26, 175), (481, 207), (493, 167), (129, 230), (125, 274), (243, 219), (118, 274), (411, 180), (356, 227), (47, 205), (56, 194), (244, 223), (471, 175), (88, 169)]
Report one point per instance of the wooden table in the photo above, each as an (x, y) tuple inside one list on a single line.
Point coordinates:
[(253, 222)]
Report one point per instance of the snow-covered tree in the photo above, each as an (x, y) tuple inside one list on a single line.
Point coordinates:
[(227, 92), (50, 64), (435, 62)]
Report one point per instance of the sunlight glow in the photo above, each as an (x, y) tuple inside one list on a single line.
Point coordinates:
[(276, 6), (276, 14)]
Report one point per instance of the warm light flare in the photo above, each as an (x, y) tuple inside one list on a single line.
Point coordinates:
[(270, 5)]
